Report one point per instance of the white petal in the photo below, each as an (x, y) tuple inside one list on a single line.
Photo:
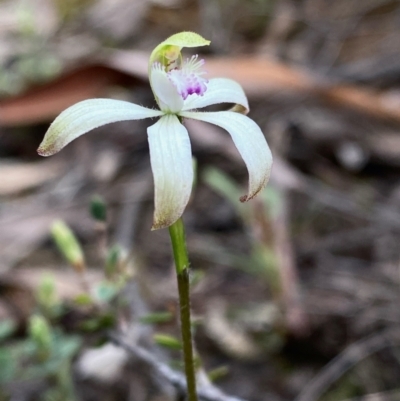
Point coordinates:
[(165, 92), (250, 142), (171, 162), (87, 115), (219, 90)]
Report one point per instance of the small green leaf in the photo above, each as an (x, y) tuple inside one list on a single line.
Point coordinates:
[(112, 260), (105, 292), (40, 332), (83, 300), (104, 321), (7, 328), (98, 209), (68, 244), (167, 341), (272, 199), (8, 365), (157, 317), (66, 347), (225, 186), (47, 297), (218, 373)]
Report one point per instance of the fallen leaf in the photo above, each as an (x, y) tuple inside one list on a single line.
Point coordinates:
[(43, 103), (259, 78), (17, 177)]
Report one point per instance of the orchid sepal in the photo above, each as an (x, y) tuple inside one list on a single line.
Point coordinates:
[(87, 115), (249, 141), (171, 163)]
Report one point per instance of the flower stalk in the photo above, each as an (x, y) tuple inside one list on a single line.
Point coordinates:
[(177, 235)]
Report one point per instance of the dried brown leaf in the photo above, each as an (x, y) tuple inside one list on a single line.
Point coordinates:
[(42, 103), (259, 77), (17, 177)]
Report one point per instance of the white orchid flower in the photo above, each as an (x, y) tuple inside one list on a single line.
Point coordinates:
[(180, 88)]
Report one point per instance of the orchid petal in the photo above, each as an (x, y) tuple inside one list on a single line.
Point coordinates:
[(250, 142), (219, 90), (171, 163), (87, 115), (164, 90)]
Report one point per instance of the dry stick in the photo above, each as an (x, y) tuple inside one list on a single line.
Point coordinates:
[(177, 379), (295, 315), (391, 395), (346, 360)]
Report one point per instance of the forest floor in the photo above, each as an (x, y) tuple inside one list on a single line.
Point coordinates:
[(295, 294)]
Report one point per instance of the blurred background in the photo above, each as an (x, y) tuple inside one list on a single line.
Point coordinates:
[(295, 294)]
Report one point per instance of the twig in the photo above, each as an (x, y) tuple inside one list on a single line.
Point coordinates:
[(206, 393), (346, 360), (295, 315), (391, 395)]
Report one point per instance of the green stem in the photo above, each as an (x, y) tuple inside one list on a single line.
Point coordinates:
[(177, 234)]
